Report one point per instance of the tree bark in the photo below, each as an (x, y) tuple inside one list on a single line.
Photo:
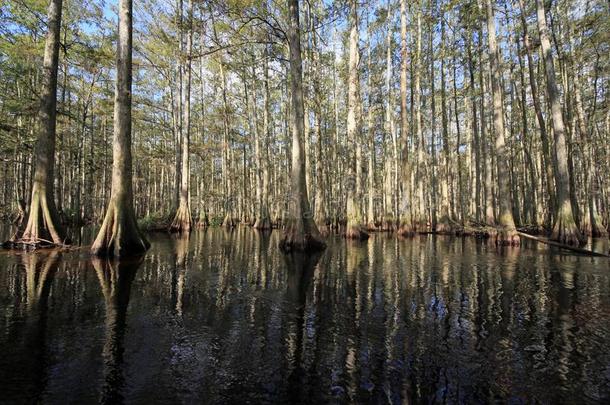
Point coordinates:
[(43, 226), (565, 229), (183, 220), (355, 228), (507, 234), (405, 226), (119, 235), (301, 232)]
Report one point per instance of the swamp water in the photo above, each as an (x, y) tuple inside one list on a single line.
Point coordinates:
[(224, 317)]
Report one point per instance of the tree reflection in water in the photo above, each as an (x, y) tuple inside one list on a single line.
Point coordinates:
[(223, 317), (115, 278), (26, 356)]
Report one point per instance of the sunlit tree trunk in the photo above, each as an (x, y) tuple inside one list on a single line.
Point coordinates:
[(507, 234), (564, 229), (119, 235), (182, 220), (405, 226), (43, 226), (444, 222), (355, 224), (263, 220), (546, 159)]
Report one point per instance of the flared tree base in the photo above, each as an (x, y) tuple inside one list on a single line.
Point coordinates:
[(43, 228), (371, 227), (388, 224), (203, 222), (405, 229), (323, 226), (262, 224), (119, 235), (301, 236), (593, 228), (228, 222), (356, 232), (182, 220), (506, 237), (565, 230), (444, 226)]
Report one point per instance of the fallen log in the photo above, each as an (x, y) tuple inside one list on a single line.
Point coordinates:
[(562, 246)]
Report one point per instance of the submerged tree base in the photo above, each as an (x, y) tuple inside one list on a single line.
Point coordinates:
[(119, 235), (356, 232), (203, 221), (504, 236), (228, 222), (262, 223), (301, 236), (445, 226), (25, 244), (388, 224), (592, 226), (405, 229), (43, 228), (565, 230), (323, 227)]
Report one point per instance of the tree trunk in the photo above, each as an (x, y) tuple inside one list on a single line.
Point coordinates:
[(405, 226), (548, 167), (182, 220), (119, 235), (507, 234), (301, 232), (263, 219), (565, 229), (354, 229), (43, 225)]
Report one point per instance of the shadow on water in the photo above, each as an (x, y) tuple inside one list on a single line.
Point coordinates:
[(221, 316)]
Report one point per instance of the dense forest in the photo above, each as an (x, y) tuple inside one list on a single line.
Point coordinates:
[(316, 117)]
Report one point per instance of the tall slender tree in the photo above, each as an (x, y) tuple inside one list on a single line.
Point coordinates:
[(301, 232), (355, 223), (182, 220), (507, 232), (119, 235), (43, 226), (405, 226), (564, 228)]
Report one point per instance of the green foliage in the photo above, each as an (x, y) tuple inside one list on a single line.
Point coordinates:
[(155, 221)]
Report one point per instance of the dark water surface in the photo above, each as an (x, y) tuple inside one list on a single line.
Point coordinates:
[(223, 317)]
